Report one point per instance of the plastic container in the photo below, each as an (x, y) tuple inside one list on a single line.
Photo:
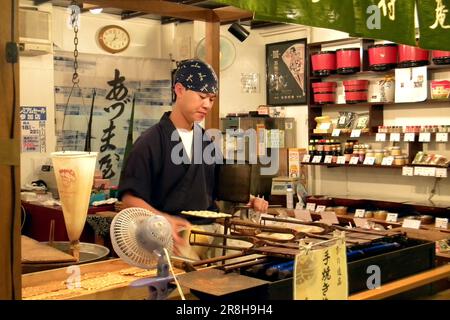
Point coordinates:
[(440, 57), (356, 91), (440, 89), (348, 60), (289, 197), (323, 63), (409, 56), (383, 57)]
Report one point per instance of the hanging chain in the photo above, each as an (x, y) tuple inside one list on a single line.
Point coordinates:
[(74, 19)]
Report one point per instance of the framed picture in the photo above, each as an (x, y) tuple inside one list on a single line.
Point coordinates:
[(286, 74)]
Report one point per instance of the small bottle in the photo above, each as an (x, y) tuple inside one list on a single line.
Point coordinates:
[(289, 197)]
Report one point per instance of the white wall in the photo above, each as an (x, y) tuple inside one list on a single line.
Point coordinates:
[(36, 73)]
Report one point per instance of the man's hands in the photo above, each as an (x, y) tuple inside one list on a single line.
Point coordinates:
[(178, 224), (258, 204)]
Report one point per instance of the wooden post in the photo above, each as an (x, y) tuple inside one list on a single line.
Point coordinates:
[(212, 45), (10, 257)]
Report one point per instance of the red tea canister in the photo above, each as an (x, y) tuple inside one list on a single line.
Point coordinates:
[(356, 91), (323, 63), (409, 56), (383, 57), (348, 60), (440, 57), (324, 92)]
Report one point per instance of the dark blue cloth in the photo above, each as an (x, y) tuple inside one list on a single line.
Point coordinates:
[(151, 175), (197, 75)]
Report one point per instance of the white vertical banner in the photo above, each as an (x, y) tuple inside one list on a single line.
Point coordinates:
[(321, 274)]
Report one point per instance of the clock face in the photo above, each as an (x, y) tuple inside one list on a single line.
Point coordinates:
[(113, 39)]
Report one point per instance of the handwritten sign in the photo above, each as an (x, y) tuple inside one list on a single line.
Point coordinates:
[(329, 217), (380, 137), (370, 161), (359, 213), (303, 215), (387, 161), (356, 133), (424, 137), (409, 137), (395, 137), (340, 160), (441, 137), (306, 158), (411, 223), (336, 133), (391, 217), (311, 206), (354, 160), (441, 223), (408, 171)]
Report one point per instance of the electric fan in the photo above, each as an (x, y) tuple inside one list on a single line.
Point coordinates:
[(144, 239)]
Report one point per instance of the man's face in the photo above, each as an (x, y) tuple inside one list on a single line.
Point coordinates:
[(193, 105)]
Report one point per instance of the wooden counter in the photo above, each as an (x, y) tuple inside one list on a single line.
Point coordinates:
[(105, 280)]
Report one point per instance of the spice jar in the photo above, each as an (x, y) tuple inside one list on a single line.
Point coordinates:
[(399, 160), (386, 153), (380, 214), (379, 155), (395, 151)]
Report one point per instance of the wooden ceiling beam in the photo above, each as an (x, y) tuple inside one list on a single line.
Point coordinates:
[(158, 7), (230, 14)]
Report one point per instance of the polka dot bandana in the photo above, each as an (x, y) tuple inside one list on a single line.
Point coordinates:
[(197, 75)]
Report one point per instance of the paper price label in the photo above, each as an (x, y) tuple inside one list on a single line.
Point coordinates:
[(441, 173), (369, 161), (356, 133), (411, 223), (317, 159), (441, 137), (441, 223), (424, 137), (425, 171), (395, 137), (320, 209), (303, 215), (306, 158), (387, 161), (409, 137), (392, 217), (361, 223), (329, 217), (354, 160), (408, 171), (359, 213), (336, 133), (328, 159), (380, 137), (311, 206), (340, 160)]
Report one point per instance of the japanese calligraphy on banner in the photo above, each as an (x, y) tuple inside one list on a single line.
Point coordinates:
[(33, 120), (385, 19), (321, 274), (434, 24), (115, 80), (330, 14)]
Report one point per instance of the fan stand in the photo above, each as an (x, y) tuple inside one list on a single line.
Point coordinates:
[(160, 286)]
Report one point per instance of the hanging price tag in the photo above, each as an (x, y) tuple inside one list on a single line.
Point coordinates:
[(311, 206), (320, 209), (441, 137), (411, 223), (317, 159), (359, 213), (336, 133), (387, 161), (329, 217), (340, 160), (395, 137), (303, 215), (424, 137), (392, 217), (441, 173), (408, 171), (306, 158), (441, 223), (369, 161), (361, 223), (356, 133), (354, 160), (380, 137), (328, 159), (409, 137)]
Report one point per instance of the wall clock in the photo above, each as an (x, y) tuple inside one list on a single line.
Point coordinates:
[(113, 39)]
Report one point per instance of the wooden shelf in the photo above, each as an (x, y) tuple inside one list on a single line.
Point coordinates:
[(378, 103), (334, 165)]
